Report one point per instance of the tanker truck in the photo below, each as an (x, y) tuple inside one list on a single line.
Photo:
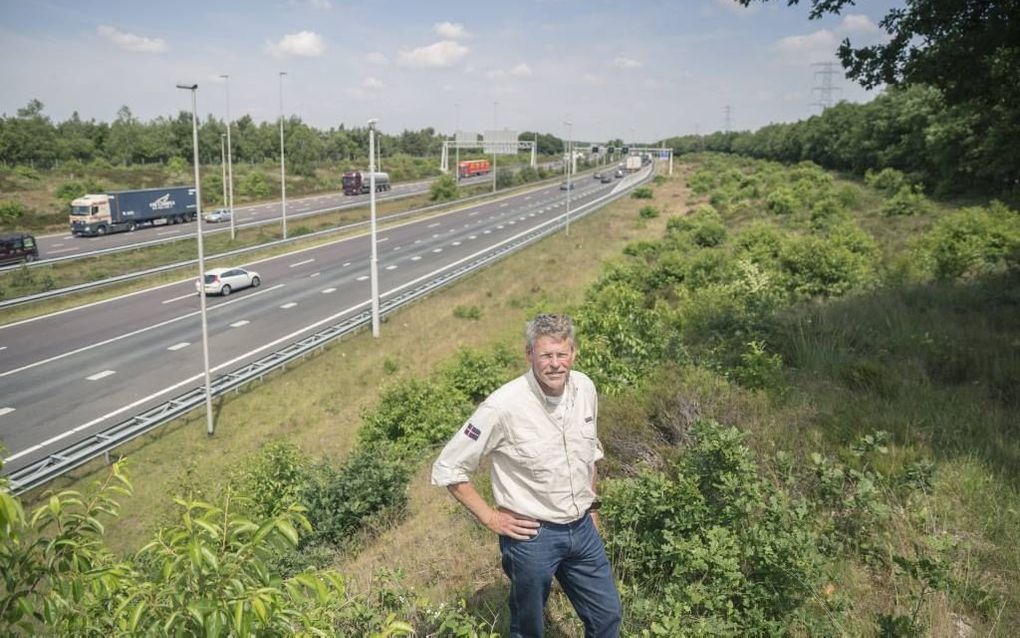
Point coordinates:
[(359, 182), (126, 210)]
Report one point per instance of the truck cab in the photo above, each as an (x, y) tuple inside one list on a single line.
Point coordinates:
[(90, 215)]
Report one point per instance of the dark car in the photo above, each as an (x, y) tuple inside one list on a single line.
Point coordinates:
[(566, 186), (18, 247), (607, 178)]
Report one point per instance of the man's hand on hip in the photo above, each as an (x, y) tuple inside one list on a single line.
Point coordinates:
[(512, 525)]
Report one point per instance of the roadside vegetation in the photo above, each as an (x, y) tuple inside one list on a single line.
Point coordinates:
[(808, 412)]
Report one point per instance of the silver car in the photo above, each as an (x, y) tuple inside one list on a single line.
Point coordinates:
[(218, 215), (223, 281)]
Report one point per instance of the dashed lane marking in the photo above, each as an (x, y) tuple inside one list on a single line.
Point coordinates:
[(328, 291), (238, 324), (4, 411), (288, 305), (100, 375), (179, 346), (302, 263)]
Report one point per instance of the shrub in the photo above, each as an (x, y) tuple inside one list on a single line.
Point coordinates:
[(642, 192), (831, 266), (253, 185), (444, 189), (648, 212), (504, 177), (476, 374), (702, 227), (74, 189), (416, 414), (781, 201), (888, 180), (177, 165), (908, 200), (659, 180), (271, 480), (758, 368), (11, 212), (972, 241), (27, 172), (372, 481), (710, 542)]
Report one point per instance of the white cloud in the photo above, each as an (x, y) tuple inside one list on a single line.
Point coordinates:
[(440, 54), (494, 74), (321, 5), (856, 23), (522, 70), (592, 79), (728, 6), (800, 49), (372, 83), (377, 58), (450, 30), (132, 42), (626, 63), (304, 44)]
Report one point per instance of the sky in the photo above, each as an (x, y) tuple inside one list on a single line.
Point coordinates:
[(639, 70)]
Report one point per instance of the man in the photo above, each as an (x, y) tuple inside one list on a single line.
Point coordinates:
[(540, 431)]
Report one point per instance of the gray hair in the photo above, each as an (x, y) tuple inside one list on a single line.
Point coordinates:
[(559, 327)]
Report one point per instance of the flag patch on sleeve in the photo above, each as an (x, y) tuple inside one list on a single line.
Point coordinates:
[(472, 432), (588, 419)]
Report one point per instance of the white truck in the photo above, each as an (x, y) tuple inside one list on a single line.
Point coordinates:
[(633, 163)]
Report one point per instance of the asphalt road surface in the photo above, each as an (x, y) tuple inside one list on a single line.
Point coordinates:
[(69, 375)]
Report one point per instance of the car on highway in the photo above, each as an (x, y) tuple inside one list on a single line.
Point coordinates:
[(596, 175), (17, 247), (223, 281), (618, 174), (607, 178), (566, 186), (218, 215)]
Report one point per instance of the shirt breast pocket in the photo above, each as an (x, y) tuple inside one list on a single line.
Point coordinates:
[(536, 459)]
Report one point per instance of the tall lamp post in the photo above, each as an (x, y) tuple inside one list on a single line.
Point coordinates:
[(374, 264), (283, 170), (230, 164), (456, 146), (223, 165), (570, 164), (201, 258), (495, 123)]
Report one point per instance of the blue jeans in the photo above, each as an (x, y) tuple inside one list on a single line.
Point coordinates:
[(575, 555)]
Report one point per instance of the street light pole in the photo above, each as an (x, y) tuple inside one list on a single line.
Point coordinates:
[(283, 170), (456, 146), (230, 163), (223, 165), (570, 164), (374, 264), (201, 258), (495, 121)]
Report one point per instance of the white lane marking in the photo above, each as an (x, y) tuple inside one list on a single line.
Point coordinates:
[(58, 245), (500, 227), (435, 236), (3, 347), (382, 240), (62, 250), (396, 248), (511, 222), (169, 232), (178, 346), (137, 332), (473, 214), (172, 388), (100, 375), (432, 225), (314, 275), (328, 290), (472, 236), (503, 205), (486, 232), (417, 241), (527, 197), (238, 324), (456, 243), (391, 267), (346, 264), (416, 258), (531, 215), (437, 250), (4, 411), (187, 296), (302, 263), (288, 305), (362, 278)]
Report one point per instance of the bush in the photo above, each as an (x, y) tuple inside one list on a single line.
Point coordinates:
[(710, 546), (829, 266), (177, 165), (75, 189), (444, 189), (971, 242), (467, 312), (781, 202), (703, 227), (659, 180), (416, 414), (642, 192), (271, 480), (504, 177), (888, 180), (11, 212), (477, 374), (648, 212), (908, 200), (253, 185)]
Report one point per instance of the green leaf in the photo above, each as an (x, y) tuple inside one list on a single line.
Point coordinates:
[(288, 530), (136, 615)]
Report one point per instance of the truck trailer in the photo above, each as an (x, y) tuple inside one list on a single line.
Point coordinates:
[(471, 168), (126, 210), (359, 182), (633, 163)]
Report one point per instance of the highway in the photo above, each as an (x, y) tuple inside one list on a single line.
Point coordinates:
[(64, 245), (67, 375)]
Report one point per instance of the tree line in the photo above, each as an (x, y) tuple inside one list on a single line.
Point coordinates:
[(31, 138)]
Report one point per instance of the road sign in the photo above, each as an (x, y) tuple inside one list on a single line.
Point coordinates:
[(502, 142)]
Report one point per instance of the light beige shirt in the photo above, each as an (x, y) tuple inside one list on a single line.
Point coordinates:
[(543, 455)]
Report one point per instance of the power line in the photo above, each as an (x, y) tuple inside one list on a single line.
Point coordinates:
[(728, 113), (826, 89)]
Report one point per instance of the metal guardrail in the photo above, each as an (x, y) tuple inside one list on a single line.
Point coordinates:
[(102, 443), (60, 292)]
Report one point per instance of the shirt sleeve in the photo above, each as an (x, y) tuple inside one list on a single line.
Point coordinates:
[(599, 452), (481, 434)]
